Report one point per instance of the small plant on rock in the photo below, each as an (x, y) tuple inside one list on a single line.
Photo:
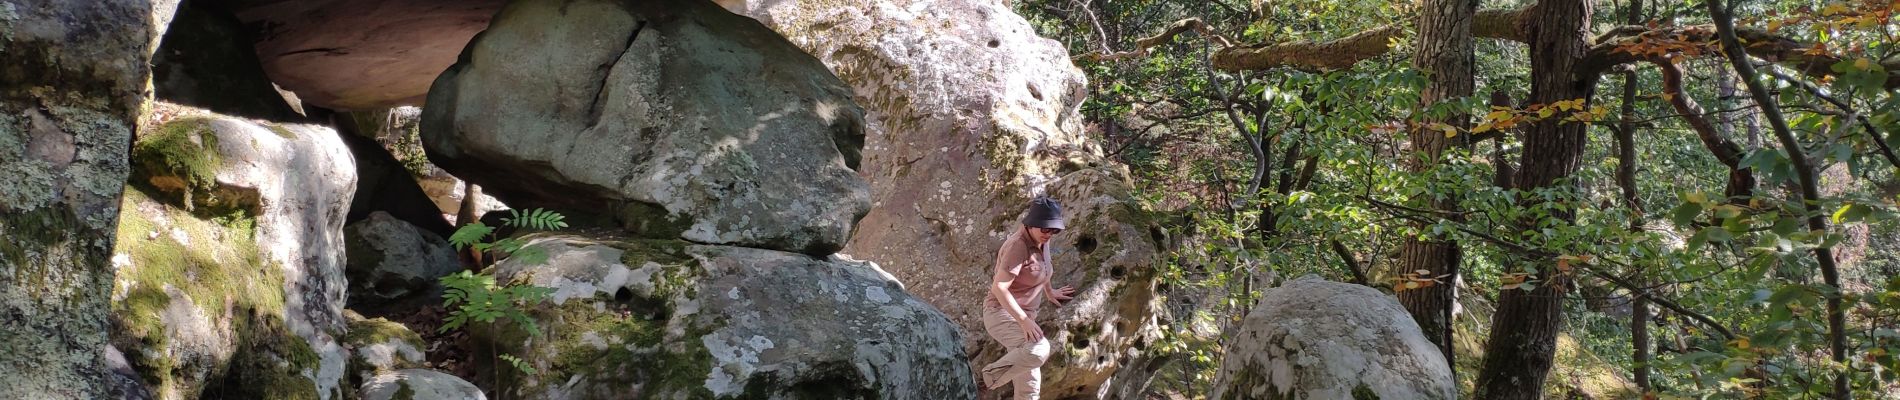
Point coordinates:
[(476, 297)]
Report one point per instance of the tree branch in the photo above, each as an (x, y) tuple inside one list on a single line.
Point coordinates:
[(1343, 53), (1143, 45), (1741, 182), (1507, 25), (1879, 140)]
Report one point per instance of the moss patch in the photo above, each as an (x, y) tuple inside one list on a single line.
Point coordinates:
[(179, 157), (216, 263), (379, 330)]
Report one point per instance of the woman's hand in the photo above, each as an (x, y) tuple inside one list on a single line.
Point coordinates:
[(1031, 331), (1061, 295)]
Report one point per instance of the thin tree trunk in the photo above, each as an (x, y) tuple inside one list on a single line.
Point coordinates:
[(1445, 54), (1626, 179), (1810, 190), (1524, 330)]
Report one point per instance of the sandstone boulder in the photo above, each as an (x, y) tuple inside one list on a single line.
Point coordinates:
[(361, 54), (229, 258), (675, 117), (643, 318), (390, 260), (969, 114), (1314, 339), (420, 384)]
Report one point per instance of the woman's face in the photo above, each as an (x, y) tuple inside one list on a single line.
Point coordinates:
[(1042, 235)]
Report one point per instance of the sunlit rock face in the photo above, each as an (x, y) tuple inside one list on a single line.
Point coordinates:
[(676, 119), (229, 258), (1314, 339), (969, 114)]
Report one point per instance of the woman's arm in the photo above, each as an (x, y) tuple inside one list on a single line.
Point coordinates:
[(999, 288)]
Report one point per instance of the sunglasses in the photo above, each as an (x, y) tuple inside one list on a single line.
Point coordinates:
[(1050, 231)]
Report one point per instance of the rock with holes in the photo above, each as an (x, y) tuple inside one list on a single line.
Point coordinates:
[(390, 260), (419, 384), (1314, 339), (667, 319), (968, 114), (676, 118), (229, 258)]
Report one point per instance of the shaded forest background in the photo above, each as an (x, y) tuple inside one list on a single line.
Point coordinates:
[(1588, 191)]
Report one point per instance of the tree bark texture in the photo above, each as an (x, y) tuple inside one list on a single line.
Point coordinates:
[(1445, 55), (1524, 329)]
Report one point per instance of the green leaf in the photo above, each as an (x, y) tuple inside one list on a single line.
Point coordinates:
[(1851, 212), (1685, 214), (469, 235), (1717, 234)]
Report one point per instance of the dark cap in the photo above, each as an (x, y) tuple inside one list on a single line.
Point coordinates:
[(1044, 212)]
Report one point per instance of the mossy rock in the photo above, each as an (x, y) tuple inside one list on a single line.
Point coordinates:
[(198, 310), (380, 346), (680, 320)]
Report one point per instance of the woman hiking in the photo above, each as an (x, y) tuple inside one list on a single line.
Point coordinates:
[(1020, 278)]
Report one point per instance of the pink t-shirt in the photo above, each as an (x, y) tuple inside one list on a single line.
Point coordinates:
[(1029, 279)]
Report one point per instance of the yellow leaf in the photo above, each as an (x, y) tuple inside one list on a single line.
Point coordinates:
[(1774, 26), (1481, 128), (1697, 197)]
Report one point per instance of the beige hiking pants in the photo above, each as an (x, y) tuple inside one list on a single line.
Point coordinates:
[(1022, 364)]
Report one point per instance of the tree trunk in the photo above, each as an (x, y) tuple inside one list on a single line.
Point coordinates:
[(1445, 54), (1524, 329), (1626, 179), (1810, 194), (75, 75)]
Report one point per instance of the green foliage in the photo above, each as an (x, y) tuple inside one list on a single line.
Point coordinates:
[(1746, 263), (477, 298)]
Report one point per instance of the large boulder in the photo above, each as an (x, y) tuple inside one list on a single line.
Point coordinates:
[(419, 384), (676, 117), (390, 261), (361, 54), (645, 318), (229, 258), (968, 115), (72, 79), (1314, 339)]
